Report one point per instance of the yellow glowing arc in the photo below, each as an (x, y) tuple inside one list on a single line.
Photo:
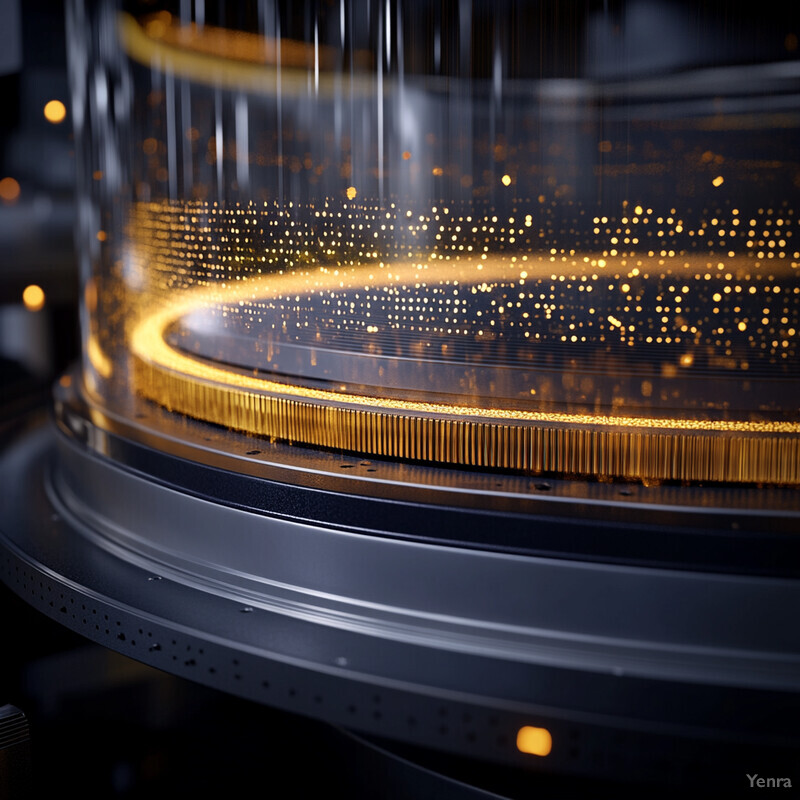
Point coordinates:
[(148, 344), (229, 73)]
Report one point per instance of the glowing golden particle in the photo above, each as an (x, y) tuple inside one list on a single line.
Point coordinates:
[(437, 171), (687, 359), (604, 146), (90, 295), (98, 175), (638, 211), (742, 326), (101, 236), (33, 297), (718, 181), (55, 111), (506, 180), (406, 155), (536, 741), (625, 288), (9, 190), (157, 27), (351, 192)]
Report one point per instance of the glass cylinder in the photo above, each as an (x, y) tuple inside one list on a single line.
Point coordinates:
[(532, 236)]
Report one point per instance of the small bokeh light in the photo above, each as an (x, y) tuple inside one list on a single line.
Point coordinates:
[(536, 741), (33, 297), (55, 111)]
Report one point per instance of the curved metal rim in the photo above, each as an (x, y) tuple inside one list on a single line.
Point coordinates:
[(746, 531), (124, 585)]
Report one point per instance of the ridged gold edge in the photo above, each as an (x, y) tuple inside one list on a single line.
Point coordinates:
[(600, 451)]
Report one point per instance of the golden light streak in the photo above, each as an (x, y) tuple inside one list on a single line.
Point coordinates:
[(216, 59)]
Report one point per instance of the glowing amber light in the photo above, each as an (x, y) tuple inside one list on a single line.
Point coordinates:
[(9, 190), (506, 179), (33, 297), (718, 181), (351, 192), (536, 741), (55, 111)]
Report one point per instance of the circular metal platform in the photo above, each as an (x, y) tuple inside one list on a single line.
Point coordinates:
[(336, 588)]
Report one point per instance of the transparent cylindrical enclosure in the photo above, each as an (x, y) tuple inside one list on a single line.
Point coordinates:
[(539, 236)]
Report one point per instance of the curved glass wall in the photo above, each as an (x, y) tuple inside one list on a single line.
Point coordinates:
[(536, 236)]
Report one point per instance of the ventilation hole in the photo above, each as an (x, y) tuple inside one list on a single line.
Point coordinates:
[(63, 609), (121, 637), (372, 469), (542, 487), (351, 709), (345, 466), (154, 648), (212, 671), (246, 609), (265, 684), (253, 452), (190, 663), (237, 677), (625, 492)]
